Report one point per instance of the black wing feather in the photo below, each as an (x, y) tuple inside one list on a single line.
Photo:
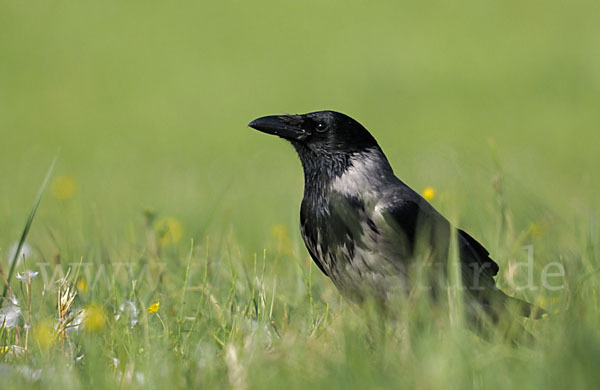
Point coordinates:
[(410, 218), (403, 217), (472, 252)]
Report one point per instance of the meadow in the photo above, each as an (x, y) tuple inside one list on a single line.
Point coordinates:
[(166, 252)]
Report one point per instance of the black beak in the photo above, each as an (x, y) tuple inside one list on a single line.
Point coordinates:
[(284, 126)]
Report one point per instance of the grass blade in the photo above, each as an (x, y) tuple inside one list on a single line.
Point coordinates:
[(26, 230)]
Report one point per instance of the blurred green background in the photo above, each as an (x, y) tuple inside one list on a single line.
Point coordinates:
[(146, 104)]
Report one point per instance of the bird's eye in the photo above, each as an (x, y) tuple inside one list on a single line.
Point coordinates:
[(321, 127)]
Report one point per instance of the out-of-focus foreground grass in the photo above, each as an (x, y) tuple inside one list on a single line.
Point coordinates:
[(494, 105)]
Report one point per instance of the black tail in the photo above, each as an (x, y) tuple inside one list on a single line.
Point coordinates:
[(499, 312), (525, 309)]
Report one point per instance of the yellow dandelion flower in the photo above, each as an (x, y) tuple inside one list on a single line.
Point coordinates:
[(280, 232), (12, 351), (83, 286), (535, 229), (44, 335), (153, 308), (94, 318), (64, 187), (169, 231), (542, 301), (429, 193)]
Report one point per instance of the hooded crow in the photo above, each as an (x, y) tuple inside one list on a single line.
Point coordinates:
[(370, 233)]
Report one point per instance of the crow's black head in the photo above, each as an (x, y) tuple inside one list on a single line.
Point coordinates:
[(319, 133)]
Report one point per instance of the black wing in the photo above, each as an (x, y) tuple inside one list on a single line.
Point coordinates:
[(476, 257), (403, 218), (413, 219)]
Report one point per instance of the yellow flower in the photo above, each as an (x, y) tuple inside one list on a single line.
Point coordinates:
[(535, 229), (169, 231), (12, 351), (428, 193), (44, 335), (94, 318), (64, 187), (542, 301), (285, 244), (153, 308), (83, 286)]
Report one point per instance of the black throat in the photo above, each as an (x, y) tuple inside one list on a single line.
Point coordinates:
[(320, 169)]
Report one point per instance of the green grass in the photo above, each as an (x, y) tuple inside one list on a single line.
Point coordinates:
[(495, 105)]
